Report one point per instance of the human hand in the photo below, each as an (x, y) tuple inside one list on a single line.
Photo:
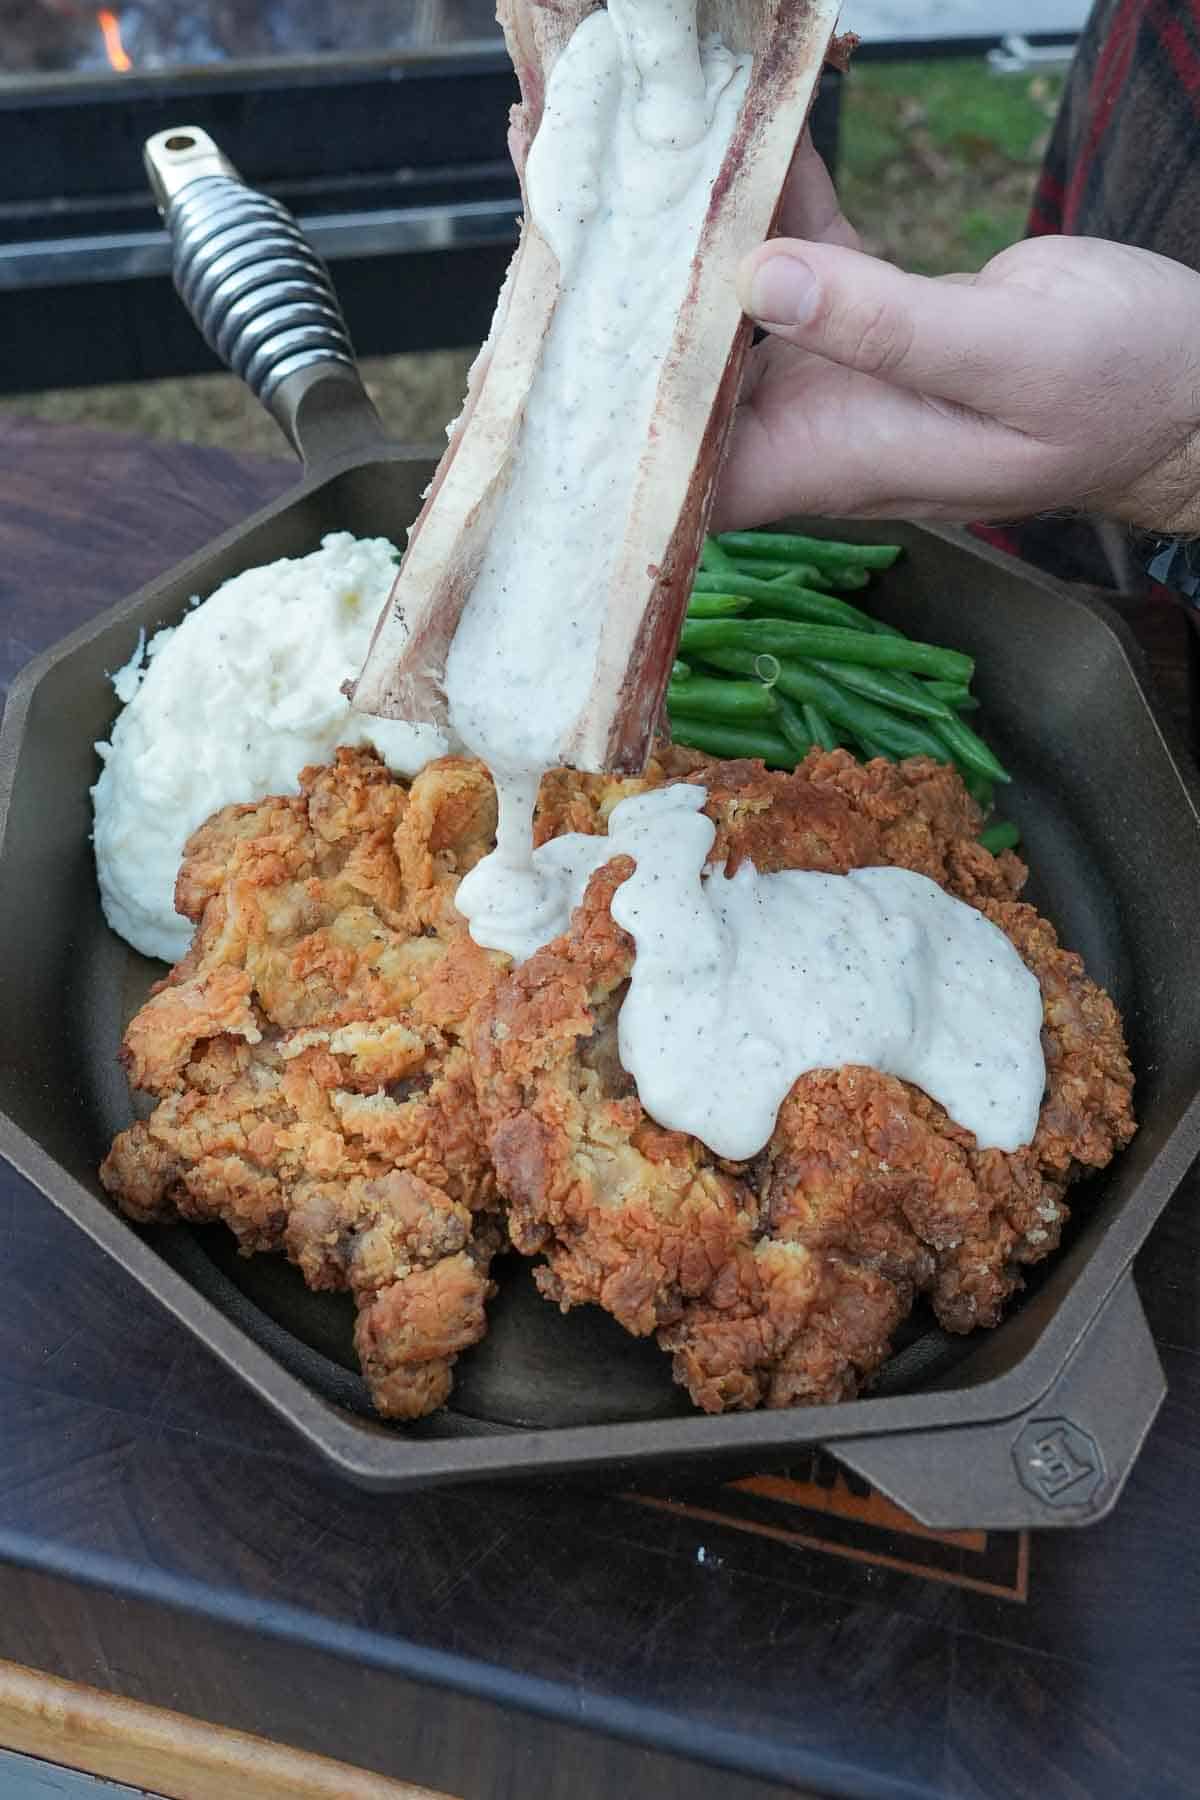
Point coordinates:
[(1066, 374)]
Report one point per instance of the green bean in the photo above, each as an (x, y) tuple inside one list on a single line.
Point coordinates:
[(708, 697), (716, 560), (967, 702), (873, 750), (801, 682), (807, 573), (830, 643), (952, 692), (957, 696), (820, 727), (715, 606), (783, 600), (679, 670), (823, 551), (889, 690), (809, 607), (792, 723), (1003, 835), (800, 574), (763, 745), (969, 749), (981, 791)]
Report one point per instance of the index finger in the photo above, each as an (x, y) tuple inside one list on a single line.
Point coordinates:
[(810, 207)]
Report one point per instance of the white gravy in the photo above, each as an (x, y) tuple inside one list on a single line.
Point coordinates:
[(741, 985)]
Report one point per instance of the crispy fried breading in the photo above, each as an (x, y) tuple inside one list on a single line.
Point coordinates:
[(782, 1279), (313, 1090)]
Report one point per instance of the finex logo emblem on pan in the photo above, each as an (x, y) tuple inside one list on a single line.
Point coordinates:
[(1060, 1463)]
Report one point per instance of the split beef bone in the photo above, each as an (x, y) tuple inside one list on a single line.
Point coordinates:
[(645, 600)]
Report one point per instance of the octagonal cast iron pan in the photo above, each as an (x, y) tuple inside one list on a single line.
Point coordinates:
[(1036, 1423)]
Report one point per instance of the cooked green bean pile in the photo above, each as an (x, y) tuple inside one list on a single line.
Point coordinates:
[(772, 660)]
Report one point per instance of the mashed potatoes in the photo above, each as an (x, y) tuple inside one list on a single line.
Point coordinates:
[(229, 706)]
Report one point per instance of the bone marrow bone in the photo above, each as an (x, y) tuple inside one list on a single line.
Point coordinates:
[(548, 570)]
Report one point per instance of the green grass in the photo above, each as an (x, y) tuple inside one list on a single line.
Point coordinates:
[(938, 159)]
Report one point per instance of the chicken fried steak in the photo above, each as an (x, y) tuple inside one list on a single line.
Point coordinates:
[(308, 1055), (782, 1279), (313, 1089)]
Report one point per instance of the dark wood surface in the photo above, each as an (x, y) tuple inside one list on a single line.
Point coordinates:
[(165, 1538)]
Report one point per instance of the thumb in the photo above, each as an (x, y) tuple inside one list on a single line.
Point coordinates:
[(960, 341)]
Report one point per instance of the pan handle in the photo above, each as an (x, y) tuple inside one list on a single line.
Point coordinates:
[(262, 298), (1064, 1462)]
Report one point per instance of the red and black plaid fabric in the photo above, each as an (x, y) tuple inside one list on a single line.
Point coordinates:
[(1124, 164), (1124, 159)]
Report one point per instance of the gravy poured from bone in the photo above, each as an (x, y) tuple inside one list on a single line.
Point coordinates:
[(734, 990)]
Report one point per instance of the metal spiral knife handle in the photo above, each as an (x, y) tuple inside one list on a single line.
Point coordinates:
[(260, 294)]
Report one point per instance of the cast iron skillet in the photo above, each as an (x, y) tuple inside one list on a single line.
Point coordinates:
[(1035, 1423)]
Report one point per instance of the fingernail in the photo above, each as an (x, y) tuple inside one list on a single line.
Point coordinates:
[(783, 291)]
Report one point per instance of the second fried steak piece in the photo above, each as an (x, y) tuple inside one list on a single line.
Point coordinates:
[(781, 1280), (313, 1091)]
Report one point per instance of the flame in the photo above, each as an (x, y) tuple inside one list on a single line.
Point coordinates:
[(110, 31)]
